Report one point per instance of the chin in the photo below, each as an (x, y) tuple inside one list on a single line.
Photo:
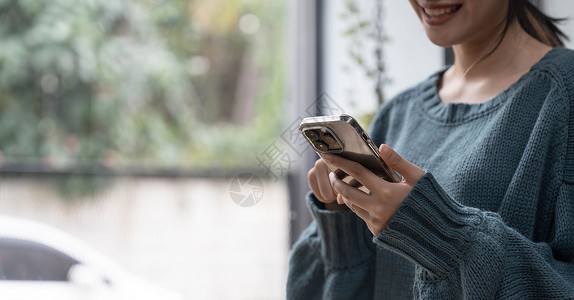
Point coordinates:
[(442, 39), (441, 43)]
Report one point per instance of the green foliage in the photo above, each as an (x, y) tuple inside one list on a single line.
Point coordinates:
[(110, 82), (77, 77)]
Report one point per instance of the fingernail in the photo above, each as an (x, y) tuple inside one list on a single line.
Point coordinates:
[(386, 151), (332, 176)]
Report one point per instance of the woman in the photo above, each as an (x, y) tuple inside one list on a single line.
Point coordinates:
[(485, 209)]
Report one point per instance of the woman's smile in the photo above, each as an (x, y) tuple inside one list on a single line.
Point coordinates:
[(438, 14)]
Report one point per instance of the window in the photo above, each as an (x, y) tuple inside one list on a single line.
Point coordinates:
[(175, 97), (139, 84), (26, 260)]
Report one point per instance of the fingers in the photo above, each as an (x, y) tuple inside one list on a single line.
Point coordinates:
[(378, 206), (354, 169), (326, 189), (363, 214), (319, 183), (359, 198), (410, 172)]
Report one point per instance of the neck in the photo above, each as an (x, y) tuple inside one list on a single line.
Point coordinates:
[(486, 54), (479, 73)]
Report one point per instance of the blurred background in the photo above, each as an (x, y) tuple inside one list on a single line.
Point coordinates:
[(163, 134)]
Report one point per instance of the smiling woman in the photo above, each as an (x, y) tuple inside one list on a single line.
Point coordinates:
[(485, 151)]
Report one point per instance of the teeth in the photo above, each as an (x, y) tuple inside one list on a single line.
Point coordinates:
[(439, 12)]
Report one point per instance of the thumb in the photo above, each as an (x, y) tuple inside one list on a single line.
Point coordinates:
[(410, 172)]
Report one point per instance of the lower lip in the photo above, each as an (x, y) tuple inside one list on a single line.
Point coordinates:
[(440, 20)]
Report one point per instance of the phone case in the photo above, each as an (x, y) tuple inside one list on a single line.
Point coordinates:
[(342, 135)]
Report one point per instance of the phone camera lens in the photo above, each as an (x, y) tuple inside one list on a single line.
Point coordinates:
[(327, 137), (321, 146), (331, 141), (312, 135)]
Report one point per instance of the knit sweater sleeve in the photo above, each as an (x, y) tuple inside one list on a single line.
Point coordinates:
[(333, 258), (465, 253)]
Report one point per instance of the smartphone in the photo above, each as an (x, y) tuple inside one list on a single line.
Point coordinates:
[(342, 135)]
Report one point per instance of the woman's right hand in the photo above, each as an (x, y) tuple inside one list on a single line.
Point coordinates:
[(320, 185)]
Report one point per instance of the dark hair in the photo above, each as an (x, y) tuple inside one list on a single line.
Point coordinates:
[(535, 22)]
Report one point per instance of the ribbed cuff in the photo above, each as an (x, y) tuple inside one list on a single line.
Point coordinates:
[(430, 228), (345, 239)]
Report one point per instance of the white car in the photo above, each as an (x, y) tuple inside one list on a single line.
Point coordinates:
[(41, 262)]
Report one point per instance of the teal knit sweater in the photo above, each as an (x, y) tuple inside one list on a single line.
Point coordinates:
[(493, 216)]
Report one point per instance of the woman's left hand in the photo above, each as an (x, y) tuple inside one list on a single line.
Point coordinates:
[(376, 208)]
